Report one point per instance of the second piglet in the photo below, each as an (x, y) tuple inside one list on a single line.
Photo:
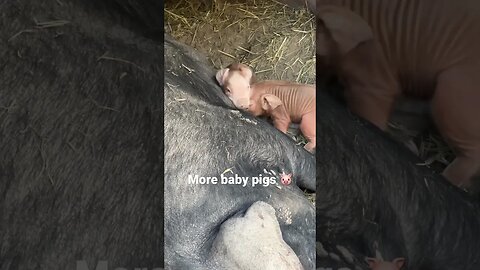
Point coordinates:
[(284, 102)]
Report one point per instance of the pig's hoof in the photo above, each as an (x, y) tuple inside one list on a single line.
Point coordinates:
[(412, 146), (310, 147)]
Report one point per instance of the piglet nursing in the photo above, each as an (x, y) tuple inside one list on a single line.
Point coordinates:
[(284, 102)]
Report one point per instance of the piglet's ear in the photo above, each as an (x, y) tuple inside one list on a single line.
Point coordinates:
[(346, 28), (247, 73), (221, 76), (270, 102)]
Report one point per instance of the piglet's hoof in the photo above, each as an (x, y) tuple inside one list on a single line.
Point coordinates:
[(310, 147), (412, 147)]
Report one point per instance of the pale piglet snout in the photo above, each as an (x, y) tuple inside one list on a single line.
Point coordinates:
[(240, 103), (239, 97)]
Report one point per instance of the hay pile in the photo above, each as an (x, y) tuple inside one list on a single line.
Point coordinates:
[(274, 39), (431, 147)]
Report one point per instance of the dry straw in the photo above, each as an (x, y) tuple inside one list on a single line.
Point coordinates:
[(274, 39)]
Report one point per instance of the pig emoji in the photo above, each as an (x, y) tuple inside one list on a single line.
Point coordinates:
[(284, 102), (286, 179)]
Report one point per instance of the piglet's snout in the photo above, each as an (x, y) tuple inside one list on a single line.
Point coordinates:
[(242, 104)]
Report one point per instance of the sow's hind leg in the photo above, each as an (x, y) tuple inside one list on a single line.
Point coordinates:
[(245, 237)]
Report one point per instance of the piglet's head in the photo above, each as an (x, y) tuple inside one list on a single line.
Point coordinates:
[(235, 81)]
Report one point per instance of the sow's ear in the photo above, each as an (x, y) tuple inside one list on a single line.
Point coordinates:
[(346, 28), (222, 76)]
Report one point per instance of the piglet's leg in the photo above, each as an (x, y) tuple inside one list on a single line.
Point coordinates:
[(281, 119), (463, 170), (307, 126), (275, 108), (371, 104), (456, 112), (371, 86)]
